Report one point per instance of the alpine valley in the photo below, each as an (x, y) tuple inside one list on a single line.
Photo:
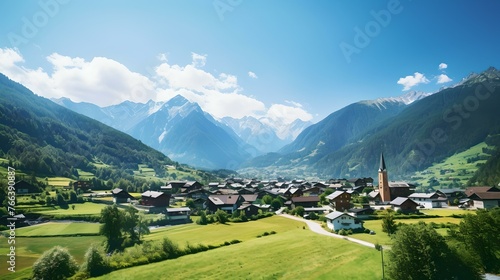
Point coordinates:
[(414, 131)]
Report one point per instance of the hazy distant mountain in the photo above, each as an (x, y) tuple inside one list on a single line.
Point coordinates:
[(412, 137), (182, 130), (254, 132), (45, 138)]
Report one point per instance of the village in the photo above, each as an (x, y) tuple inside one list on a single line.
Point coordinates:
[(344, 203)]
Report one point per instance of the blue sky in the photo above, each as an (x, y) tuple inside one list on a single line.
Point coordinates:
[(280, 59)]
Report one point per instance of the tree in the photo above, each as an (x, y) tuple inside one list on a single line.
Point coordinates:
[(419, 252), (388, 224), (94, 263), (55, 264), (221, 216), (276, 204), (203, 218), (299, 210), (130, 222), (480, 234), (111, 228), (267, 199), (190, 203)]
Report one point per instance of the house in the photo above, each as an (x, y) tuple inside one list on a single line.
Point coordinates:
[(485, 200), (23, 187), (154, 198), (312, 191), (339, 220), (82, 186), (250, 198), (198, 193), (401, 189), (178, 215), (404, 204), (374, 197), (361, 213), (469, 191), (121, 196), (253, 209), (436, 199), (304, 201), (340, 200), (453, 194), (228, 203)]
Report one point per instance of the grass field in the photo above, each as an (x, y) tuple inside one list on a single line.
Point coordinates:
[(29, 249), (87, 208), (454, 167), (382, 238), (54, 228), (58, 181), (444, 212), (294, 253)]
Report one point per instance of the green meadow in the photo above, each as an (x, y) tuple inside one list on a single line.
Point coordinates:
[(296, 253), (87, 208), (56, 228)]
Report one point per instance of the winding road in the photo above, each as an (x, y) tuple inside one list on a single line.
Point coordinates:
[(315, 227)]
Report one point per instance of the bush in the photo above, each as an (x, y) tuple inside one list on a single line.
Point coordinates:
[(94, 263), (170, 249), (366, 231), (55, 263)]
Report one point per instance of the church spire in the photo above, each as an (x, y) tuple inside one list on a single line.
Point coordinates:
[(382, 163)]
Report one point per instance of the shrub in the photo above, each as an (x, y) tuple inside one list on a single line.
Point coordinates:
[(366, 230), (55, 263), (94, 263), (170, 248)]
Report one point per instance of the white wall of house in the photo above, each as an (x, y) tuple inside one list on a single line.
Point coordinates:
[(344, 222), (485, 204)]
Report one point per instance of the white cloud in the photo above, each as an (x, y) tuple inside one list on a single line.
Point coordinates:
[(287, 114), (252, 75), (443, 79), (199, 60), (443, 66), (105, 82), (410, 81)]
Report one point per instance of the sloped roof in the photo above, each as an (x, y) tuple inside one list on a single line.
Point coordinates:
[(224, 199), (486, 195), (336, 214), (152, 194), (424, 195), (335, 194), (398, 201), (305, 199)]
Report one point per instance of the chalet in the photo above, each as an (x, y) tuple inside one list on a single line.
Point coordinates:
[(483, 197), (374, 197), (339, 220), (156, 199), (253, 209), (304, 201), (178, 215), (361, 182), (292, 192), (404, 204), (340, 200), (198, 193), (246, 190), (121, 196), (313, 191), (82, 186), (453, 194), (228, 203), (436, 199), (361, 213), (23, 187), (190, 186)]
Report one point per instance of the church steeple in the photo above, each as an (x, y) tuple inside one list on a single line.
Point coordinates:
[(382, 163), (383, 181)]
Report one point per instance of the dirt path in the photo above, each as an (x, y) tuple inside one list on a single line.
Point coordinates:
[(315, 227)]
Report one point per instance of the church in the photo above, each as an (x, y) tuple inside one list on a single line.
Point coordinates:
[(389, 190)]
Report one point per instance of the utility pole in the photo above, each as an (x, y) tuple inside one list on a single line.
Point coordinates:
[(382, 253)]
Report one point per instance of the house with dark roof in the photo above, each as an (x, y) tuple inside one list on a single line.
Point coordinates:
[(404, 204), (121, 196), (340, 200), (436, 199), (340, 220), (253, 209), (304, 201), (178, 215), (483, 197), (250, 198), (228, 203), (155, 199), (23, 187), (361, 213)]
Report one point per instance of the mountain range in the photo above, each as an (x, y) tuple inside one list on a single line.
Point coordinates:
[(412, 131), (183, 131)]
